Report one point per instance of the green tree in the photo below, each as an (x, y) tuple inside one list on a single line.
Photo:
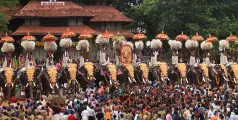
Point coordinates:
[(6, 5)]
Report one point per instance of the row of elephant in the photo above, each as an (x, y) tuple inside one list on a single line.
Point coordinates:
[(90, 75)]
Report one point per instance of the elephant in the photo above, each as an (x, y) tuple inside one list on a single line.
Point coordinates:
[(86, 75), (141, 73), (126, 74), (50, 79), (218, 75), (159, 73), (29, 77), (8, 79), (107, 74), (178, 73), (232, 74)]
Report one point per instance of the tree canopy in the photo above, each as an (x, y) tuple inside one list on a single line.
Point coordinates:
[(5, 5), (218, 17)]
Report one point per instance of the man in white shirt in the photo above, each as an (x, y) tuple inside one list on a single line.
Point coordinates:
[(91, 113), (85, 114), (210, 112)]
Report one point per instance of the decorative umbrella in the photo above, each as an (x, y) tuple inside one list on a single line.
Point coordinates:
[(162, 36), (49, 38), (231, 38), (85, 35), (118, 37), (139, 36), (182, 37), (68, 34), (7, 38), (211, 38), (197, 37), (28, 37), (107, 35)]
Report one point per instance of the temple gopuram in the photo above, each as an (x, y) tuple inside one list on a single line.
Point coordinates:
[(42, 17)]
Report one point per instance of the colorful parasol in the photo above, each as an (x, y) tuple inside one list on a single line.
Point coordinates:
[(162, 36), (107, 35), (211, 38), (231, 38), (68, 34), (49, 38), (197, 37), (7, 39), (118, 37), (85, 35), (139, 36), (182, 37), (28, 37)]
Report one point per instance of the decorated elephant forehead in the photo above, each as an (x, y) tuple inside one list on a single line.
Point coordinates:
[(72, 68), (145, 70), (130, 69), (52, 72), (30, 71), (234, 68), (9, 74), (113, 71), (182, 69), (89, 67)]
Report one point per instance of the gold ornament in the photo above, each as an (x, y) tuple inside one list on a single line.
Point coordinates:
[(182, 69), (90, 68), (9, 74), (52, 72), (164, 69), (130, 69), (113, 71), (205, 69), (30, 71), (145, 70), (234, 68), (72, 68)]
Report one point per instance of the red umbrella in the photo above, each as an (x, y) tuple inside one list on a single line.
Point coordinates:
[(28, 37), (231, 38), (85, 35), (162, 36), (197, 37), (7, 39), (68, 34), (49, 38), (211, 38), (182, 37), (139, 36), (107, 35)]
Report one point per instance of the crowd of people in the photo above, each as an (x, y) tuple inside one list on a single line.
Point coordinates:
[(135, 102)]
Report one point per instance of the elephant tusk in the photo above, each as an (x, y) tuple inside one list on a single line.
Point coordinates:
[(168, 79), (203, 79), (134, 79), (234, 80), (57, 85), (225, 78), (110, 81), (187, 80), (162, 79), (94, 78), (181, 80), (143, 80), (129, 79), (51, 86), (6, 85), (27, 85), (77, 82), (12, 84), (34, 84)]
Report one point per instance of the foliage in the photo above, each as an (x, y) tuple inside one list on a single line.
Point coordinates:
[(5, 5), (218, 17)]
